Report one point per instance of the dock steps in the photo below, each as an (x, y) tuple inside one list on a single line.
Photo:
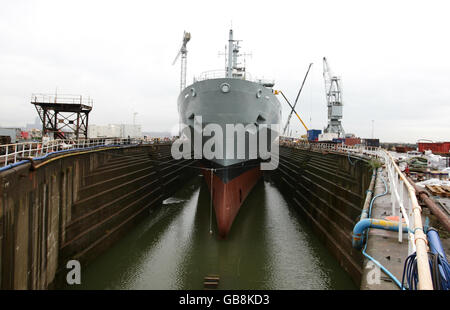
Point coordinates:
[(211, 281)]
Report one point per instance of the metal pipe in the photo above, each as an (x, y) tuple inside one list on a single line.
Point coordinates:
[(362, 225), (365, 210), (441, 216), (420, 239)]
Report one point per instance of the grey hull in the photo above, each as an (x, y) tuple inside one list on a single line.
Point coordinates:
[(247, 103)]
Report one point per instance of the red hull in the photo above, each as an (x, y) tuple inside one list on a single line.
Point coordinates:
[(228, 197)]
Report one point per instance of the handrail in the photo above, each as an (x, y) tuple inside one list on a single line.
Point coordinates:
[(218, 74), (12, 154), (211, 74), (62, 99), (420, 239)]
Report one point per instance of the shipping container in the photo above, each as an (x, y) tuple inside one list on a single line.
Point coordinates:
[(352, 141), (5, 140), (403, 149), (13, 133), (372, 142), (313, 134), (436, 147), (328, 136)]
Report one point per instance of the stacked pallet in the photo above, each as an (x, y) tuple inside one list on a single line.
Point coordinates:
[(439, 190)]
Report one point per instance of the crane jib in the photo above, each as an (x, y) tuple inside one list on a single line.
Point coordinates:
[(295, 103)]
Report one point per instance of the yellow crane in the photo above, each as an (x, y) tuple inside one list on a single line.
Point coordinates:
[(279, 91)]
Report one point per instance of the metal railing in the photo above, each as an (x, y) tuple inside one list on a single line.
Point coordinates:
[(357, 150), (211, 74), (62, 99), (399, 197), (220, 74), (404, 195), (11, 154)]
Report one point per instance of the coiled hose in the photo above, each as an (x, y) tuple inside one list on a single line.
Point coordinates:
[(440, 272)]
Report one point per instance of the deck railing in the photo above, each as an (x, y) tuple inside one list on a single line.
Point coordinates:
[(219, 74)]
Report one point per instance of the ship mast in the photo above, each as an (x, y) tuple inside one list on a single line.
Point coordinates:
[(230, 55), (232, 66)]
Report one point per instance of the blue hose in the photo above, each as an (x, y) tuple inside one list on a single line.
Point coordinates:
[(396, 281), (13, 165), (362, 225), (58, 152), (435, 242), (443, 274)]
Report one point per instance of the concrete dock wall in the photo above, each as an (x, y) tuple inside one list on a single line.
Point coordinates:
[(329, 191), (76, 206)]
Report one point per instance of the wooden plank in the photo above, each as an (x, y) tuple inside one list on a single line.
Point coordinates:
[(446, 190), (431, 189), (435, 190)]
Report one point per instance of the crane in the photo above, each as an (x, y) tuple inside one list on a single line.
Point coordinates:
[(295, 103), (183, 52), (333, 94), (293, 110)]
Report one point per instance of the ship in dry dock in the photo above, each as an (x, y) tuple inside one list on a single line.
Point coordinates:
[(230, 97)]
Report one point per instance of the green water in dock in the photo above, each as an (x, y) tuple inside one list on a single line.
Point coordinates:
[(269, 247)]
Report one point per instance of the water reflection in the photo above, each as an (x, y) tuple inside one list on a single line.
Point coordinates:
[(269, 247)]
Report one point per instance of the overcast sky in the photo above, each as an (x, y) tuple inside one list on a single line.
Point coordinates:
[(393, 58)]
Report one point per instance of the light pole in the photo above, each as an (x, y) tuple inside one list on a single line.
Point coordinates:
[(372, 128)]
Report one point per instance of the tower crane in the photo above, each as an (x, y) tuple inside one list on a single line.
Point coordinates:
[(333, 93), (183, 52)]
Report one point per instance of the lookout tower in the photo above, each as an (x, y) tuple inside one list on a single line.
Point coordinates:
[(66, 116)]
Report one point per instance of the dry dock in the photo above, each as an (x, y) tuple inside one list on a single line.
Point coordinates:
[(75, 203)]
